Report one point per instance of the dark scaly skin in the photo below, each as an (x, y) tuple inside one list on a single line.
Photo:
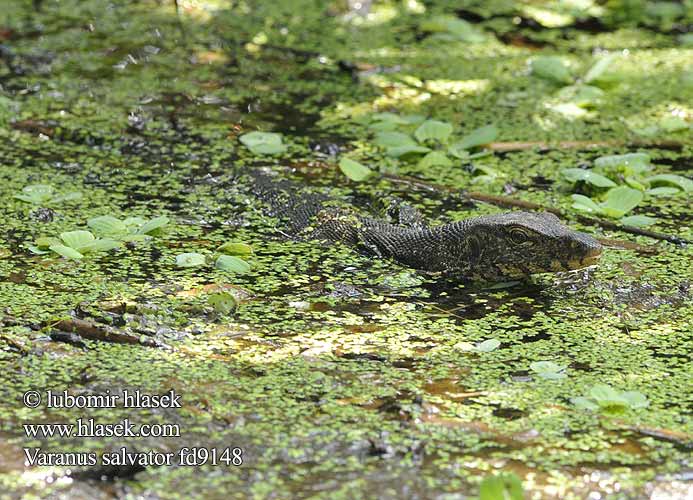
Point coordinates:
[(491, 247)]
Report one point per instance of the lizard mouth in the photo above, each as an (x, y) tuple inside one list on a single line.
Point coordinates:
[(589, 259)]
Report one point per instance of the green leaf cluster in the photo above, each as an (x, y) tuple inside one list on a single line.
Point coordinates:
[(606, 399), (548, 370), (226, 258), (73, 244), (578, 94), (129, 229), (670, 124), (108, 233), (487, 345), (554, 69), (222, 302), (412, 137), (619, 183), (451, 28), (354, 170), (504, 486), (45, 194), (263, 143)]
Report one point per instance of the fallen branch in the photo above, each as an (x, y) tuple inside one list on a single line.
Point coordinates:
[(628, 245), (506, 201), (677, 437), (510, 147)]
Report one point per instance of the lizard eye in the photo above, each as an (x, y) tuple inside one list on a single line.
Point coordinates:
[(518, 236)]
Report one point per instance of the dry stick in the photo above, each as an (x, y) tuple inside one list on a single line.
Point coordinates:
[(508, 147), (506, 201), (680, 438)]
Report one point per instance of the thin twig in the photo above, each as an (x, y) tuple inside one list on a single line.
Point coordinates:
[(509, 147)]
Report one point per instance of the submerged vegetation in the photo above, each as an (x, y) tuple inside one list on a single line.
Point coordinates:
[(133, 257)]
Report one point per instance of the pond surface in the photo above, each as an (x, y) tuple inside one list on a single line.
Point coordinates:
[(337, 374)]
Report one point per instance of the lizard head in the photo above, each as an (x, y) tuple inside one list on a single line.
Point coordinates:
[(518, 244)]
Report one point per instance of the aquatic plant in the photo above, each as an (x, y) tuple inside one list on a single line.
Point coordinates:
[(226, 258), (605, 398), (45, 194), (548, 370), (73, 244), (129, 229), (624, 177), (263, 143)]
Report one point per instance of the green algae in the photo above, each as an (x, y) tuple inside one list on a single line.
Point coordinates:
[(336, 373)]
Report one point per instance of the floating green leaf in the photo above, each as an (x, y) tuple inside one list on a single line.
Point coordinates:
[(582, 175), (631, 163), (43, 194), (549, 18), (393, 140), (621, 200), (386, 121), (74, 195), (636, 182), (413, 119), (354, 170), (685, 184), (433, 130), (222, 302), (551, 68), (584, 403), (606, 396), (485, 173), (67, 251), (47, 241), (583, 96), (570, 110), (107, 225), (663, 191), (585, 204), (458, 153), (153, 225), (638, 220), (435, 158), (235, 248), (402, 151), (77, 239), (232, 263), (190, 260), (453, 28), (478, 137), (130, 229), (487, 345), (597, 73), (635, 399), (100, 245), (42, 245), (264, 143), (36, 193), (133, 223), (548, 370), (505, 486), (609, 400), (390, 121)]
